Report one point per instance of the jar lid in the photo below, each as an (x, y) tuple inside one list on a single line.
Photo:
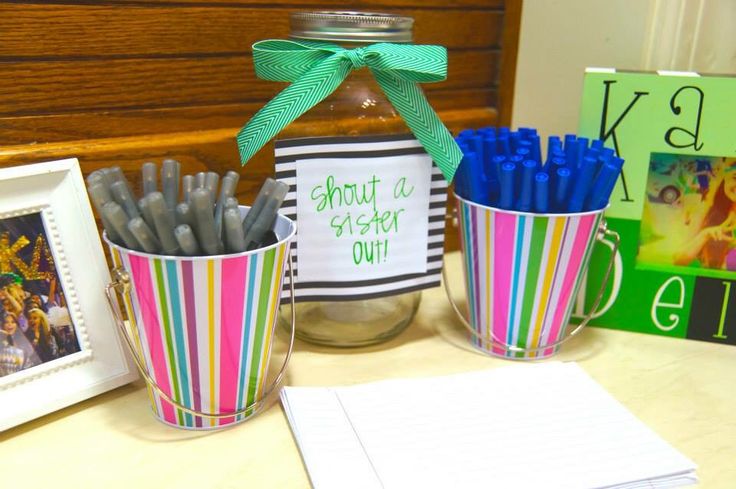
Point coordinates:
[(351, 26)]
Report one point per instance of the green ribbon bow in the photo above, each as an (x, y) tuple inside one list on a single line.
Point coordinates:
[(317, 69)]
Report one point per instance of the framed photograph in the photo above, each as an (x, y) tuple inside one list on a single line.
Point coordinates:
[(58, 341)]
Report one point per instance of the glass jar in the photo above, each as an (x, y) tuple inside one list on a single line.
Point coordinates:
[(357, 108)]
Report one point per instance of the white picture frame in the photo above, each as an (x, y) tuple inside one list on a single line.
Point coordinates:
[(57, 192)]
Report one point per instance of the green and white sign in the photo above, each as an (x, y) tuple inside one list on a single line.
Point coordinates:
[(674, 205), (369, 212)]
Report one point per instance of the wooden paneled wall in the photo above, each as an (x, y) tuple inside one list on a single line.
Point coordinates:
[(120, 82)]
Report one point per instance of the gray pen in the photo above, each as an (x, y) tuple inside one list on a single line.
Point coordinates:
[(199, 179), (234, 175), (170, 185), (95, 177), (211, 179), (163, 223), (227, 189), (266, 189), (231, 203), (122, 196), (115, 174), (234, 238), (119, 220), (143, 234), (145, 209), (187, 185), (100, 195), (267, 217), (205, 221), (187, 241), (109, 175), (149, 172), (184, 214)]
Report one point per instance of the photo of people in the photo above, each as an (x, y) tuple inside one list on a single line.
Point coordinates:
[(689, 215), (36, 326)]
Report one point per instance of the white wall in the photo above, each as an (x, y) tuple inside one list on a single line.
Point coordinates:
[(560, 38)]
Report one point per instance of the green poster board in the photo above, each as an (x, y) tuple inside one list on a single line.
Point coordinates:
[(674, 206)]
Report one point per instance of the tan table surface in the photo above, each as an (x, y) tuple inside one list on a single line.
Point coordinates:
[(684, 390)]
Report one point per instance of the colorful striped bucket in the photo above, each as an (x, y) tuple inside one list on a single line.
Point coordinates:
[(522, 275), (201, 328)]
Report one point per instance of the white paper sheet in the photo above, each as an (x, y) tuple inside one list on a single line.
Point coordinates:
[(547, 426)]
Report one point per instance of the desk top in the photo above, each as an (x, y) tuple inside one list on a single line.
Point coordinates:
[(681, 389)]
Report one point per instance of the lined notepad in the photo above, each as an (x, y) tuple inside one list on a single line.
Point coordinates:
[(539, 426)]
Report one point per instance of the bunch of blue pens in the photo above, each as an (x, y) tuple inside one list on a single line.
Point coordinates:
[(504, 169), (204, 221)]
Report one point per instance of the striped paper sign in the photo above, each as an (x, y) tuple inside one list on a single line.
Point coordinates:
[(336, 186), (522, 274), (203, 327)]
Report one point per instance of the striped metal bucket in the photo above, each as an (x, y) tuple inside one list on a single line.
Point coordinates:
[(201, 328), (522, 274)]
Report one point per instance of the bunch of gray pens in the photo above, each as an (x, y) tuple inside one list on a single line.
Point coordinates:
[(505, 169), (202, 222)]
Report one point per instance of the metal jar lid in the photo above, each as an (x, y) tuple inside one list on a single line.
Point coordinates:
[(351, 26)]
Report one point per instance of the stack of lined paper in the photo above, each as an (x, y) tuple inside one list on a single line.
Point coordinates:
[(542, 426)]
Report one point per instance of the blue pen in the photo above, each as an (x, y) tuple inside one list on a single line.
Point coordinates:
[(536, 148), (583, 182), (525, 144), (572, 151), (528, 169), (602, 187), (466, 133), (555, 164), (487, 131), (462, 179), (503, 131), (617, 162), (525, 132), (582, 149), (515, 139), (518, 161), (524, 153), (506, 199), (489, 151), (489, 147), (553, 142), (558, 153), (496, 163), (494, 193), (478, 184), (541, 192), (607, 154), (596, 144), (562, 186), (476, 146), (504, 146)]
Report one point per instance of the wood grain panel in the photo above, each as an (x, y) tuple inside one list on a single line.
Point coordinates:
[(213, 150), (118, 123), (364, 5), (25, 87), (130, 151), (73, 31), (507, 71)]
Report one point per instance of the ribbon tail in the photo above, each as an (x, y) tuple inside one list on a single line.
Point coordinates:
[(306, 92), (410, 102)]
